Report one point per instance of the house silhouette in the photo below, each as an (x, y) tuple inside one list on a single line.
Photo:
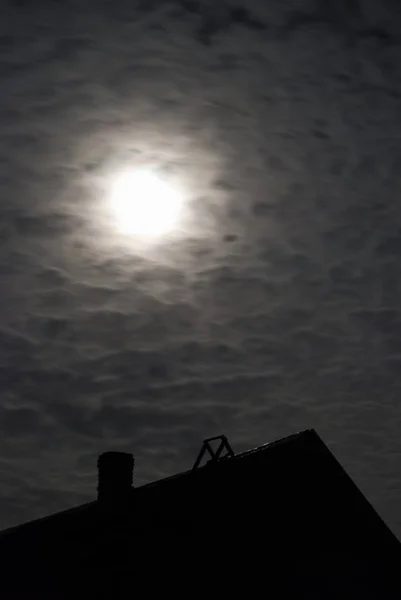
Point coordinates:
[(281, 520)]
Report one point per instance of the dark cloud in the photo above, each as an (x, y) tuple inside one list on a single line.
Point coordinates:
[(279, 307)]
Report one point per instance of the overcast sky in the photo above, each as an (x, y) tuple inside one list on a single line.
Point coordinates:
[(274, 308)]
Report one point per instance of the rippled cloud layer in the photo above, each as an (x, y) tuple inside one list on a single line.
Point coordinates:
[(274, 308)]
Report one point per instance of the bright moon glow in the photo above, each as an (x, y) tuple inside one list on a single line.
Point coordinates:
[(144, 204)]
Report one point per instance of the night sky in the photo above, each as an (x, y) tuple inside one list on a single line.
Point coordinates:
[(271, 307)]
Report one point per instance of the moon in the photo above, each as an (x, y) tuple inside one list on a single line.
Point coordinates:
[(144, 204)]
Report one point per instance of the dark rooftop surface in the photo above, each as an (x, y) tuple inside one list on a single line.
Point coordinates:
[(88, 506), (288, 503)]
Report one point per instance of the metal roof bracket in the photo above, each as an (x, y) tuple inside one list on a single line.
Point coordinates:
[(215, 454)]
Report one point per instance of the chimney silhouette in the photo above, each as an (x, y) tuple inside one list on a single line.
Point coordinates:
[(115, 474)]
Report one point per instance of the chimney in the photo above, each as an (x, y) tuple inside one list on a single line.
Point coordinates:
[(115, 472)]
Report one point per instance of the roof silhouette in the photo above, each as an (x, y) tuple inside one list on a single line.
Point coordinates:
[(287, 505)]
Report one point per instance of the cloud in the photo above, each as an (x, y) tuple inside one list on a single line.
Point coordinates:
[(276, 310)]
